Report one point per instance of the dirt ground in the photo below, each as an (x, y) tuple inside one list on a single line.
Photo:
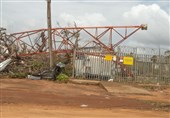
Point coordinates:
[(23, 98)]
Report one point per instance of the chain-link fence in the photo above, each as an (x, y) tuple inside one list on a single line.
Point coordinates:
[(127, 64)]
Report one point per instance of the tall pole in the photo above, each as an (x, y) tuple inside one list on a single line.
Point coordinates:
[(49, 32), (74, 57)]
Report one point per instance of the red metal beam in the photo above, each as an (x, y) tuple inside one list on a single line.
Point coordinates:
[(26, 35), (67, 28)]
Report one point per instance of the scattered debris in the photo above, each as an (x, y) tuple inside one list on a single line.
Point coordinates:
[(83, 105), (4, 64), (48, 74), (110, 80), (34, 77)]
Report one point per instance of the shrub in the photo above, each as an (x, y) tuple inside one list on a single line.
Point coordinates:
[(62, 78)]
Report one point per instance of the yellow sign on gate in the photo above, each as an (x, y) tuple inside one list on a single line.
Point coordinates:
[(128, 60), (108, 57)]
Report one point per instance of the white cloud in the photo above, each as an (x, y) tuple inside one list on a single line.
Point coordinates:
[(29, 16), (86, 19), (158, 25)]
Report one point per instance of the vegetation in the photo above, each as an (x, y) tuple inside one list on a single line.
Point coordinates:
[(62, 78), (19, 75)]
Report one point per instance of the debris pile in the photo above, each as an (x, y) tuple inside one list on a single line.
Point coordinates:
[(35, 67)]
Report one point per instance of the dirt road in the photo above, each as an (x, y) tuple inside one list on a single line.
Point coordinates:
[(21, 98)]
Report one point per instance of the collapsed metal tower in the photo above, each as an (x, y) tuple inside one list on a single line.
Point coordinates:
[(106, 37)]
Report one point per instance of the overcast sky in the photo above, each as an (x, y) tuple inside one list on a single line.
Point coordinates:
[(21, 15)]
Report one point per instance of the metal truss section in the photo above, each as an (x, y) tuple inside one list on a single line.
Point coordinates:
[(105, 37)]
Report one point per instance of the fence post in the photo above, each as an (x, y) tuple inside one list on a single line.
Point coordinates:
[(135, 73), (159, 63)]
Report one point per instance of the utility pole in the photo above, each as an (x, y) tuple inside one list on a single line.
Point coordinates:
[(74, 56), (49, 32)]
